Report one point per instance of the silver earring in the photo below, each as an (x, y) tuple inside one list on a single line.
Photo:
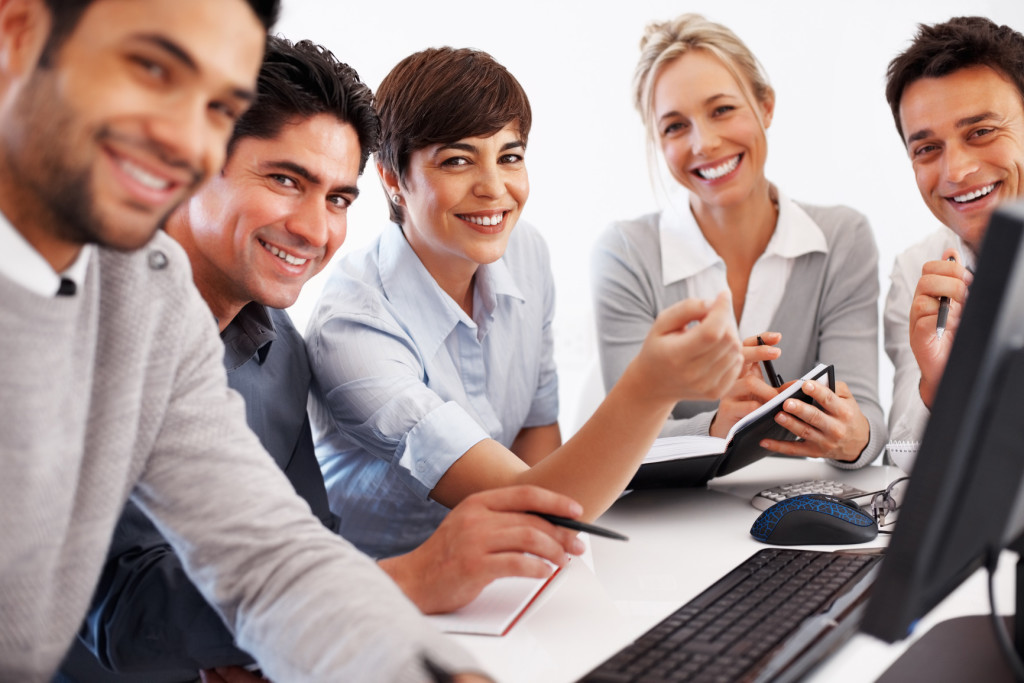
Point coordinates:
[(396, 198)]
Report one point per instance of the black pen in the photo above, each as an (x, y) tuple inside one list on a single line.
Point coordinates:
[(774, 379), (940, 322), (580, 526)]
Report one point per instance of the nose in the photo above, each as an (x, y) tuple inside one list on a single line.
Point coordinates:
[(311, 223), (703, 137), (191, 138), (489, 181), (958, 163)]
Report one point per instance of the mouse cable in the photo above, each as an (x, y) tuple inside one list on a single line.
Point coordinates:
[(1003, 638)]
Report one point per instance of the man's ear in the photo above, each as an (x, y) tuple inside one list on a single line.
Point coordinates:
[(24, 29)]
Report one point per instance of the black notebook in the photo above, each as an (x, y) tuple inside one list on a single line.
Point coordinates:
[(676, 461)]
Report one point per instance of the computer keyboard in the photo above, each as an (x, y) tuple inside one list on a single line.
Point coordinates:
[(776, 494), (769, 619)]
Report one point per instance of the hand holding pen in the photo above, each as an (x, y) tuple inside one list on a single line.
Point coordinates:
[(774, 378), (750, 390), (940, 320), (935, 315)]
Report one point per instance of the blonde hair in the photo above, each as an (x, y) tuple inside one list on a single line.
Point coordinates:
[(665, 41)]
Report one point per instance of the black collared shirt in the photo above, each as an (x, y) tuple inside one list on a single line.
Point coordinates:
[(266, 360)]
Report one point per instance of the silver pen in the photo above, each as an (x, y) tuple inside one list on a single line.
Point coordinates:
[(940, 322)]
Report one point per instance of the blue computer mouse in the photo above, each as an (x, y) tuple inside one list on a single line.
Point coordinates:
[(814, 519)]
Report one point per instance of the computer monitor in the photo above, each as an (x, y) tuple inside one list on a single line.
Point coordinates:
[(963, 502)]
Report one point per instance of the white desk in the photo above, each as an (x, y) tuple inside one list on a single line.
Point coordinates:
[(682, 541)]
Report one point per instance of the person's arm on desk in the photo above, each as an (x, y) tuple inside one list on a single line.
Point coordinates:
[(486, 537)]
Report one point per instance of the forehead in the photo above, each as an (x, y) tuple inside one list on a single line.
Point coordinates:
[(222, 38), (509, 133), (937, 104), (695, 75), (322, 144)]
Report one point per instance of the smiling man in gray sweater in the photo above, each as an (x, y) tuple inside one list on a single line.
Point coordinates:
[(111, 376)]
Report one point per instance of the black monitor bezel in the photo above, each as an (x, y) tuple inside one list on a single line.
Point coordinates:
[(961, 502)]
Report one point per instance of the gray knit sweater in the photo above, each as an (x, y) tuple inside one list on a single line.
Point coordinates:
[(120, 391)]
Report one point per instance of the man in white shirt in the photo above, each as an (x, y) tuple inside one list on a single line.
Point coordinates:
[(957, 96)]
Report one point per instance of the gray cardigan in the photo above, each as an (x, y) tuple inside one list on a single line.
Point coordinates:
[(829, 312), (118, 392)]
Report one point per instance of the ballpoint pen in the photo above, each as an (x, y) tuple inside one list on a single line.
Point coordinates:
[(774, 379), (940, 321), (580, 526)]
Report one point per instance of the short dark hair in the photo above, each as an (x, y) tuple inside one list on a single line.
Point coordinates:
[(64, 16), (961, 42), (301, 80), (441, 95)]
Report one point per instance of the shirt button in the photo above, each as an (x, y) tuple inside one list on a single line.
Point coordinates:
[(157, 260)]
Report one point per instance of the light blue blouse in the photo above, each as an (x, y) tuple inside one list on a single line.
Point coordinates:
[(404, 382)]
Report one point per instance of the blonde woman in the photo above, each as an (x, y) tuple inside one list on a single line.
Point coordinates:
[(804, 278)]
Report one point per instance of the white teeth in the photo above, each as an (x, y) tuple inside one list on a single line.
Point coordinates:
[(720, 170), (144, 177), (971, 196), (485, 220), (284, 256)]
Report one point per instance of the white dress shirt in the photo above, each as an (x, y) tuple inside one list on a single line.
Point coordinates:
[(21, 263), (686, 254), (909, 415)]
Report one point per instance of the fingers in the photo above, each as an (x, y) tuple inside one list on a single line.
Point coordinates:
[(935, 285), (677, 316), (534, 537), (834, 428), (496, 520), (757, 354), (769, 339)]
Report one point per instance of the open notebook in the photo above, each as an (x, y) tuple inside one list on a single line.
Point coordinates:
[(497, 608), (693, 460)]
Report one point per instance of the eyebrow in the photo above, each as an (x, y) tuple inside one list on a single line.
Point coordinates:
[(962, 123), (466, 147), (181, 55), (308, 176)]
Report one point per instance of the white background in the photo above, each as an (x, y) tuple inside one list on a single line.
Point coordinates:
[(832, 140)]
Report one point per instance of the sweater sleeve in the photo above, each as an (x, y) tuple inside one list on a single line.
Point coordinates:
[(146, 616), (848, 326), (305, 603)]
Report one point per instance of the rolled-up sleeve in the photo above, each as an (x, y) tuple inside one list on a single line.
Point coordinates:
[(372, 380)]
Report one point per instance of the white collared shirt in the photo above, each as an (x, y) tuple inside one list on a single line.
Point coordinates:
[(21, 263), (686, 254)]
